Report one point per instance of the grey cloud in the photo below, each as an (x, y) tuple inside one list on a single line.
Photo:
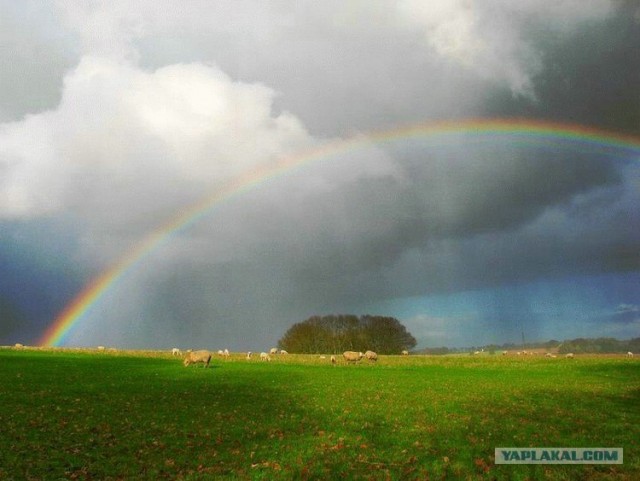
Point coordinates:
[(590, 75), (34, 54)]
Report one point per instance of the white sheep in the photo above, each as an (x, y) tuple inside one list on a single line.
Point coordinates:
[(273, 350), (176, 352), (333, 359), (352, 356), (225, 353), (220, 352), (405, 353), (202, 356), (629, 354), (265, 357), (101, 348), (371, 356), (249, 355), (282, 351), (569, 355)]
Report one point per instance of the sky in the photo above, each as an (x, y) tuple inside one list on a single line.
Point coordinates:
[(117, 118)]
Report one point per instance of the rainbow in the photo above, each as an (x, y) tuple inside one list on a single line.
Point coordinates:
[(528, 130)]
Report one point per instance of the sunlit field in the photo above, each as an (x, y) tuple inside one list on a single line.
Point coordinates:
[(142, 415)]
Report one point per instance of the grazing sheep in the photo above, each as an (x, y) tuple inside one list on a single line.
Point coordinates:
[(101, 348), (323, 357), (202, 356), (569, 355), (405, 353), (220, 352), (18, 345), (372, 356), (629, 354), (282, 351), (476, 353), (352, 356), (176, 352), (249, 355), (265, 357), (273, 350), (225, 353), (333, 359), (504, 353)]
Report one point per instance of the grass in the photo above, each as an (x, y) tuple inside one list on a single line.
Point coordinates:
[(112, 416)]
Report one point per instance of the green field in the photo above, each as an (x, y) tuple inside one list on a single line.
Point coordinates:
[(112, 416)]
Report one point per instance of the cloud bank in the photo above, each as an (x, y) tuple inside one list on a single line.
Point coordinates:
[(160, 104)]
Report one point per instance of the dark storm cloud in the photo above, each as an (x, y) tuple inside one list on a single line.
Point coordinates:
[(589, 76)]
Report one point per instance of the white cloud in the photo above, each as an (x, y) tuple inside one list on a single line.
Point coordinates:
[(489, 38), (126, 135)]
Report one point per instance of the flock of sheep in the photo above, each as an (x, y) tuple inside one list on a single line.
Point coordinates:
[(204, 356)]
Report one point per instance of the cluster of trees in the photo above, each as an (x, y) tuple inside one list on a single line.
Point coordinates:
[(339, 333)]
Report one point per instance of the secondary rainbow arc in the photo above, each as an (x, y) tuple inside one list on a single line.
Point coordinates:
[(589, 137)]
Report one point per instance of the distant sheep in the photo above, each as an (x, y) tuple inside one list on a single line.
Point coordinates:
[(202, 356), (176, 352), (265, 357), (504, 353), (476, 353), (405, 353), (273, 350), (282, 351), (17, 345), (101, 348), (249, 355), (333, 359), (225, 353), (371, 356), (352, 356), (220, 352), (569, 355), (629, 354)]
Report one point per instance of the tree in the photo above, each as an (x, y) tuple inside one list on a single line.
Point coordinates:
[(338, 333)]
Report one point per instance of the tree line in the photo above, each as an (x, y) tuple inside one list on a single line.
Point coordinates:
[(602, 345), (347, 332)]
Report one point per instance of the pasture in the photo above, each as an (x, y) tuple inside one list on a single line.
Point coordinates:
[(143, 415)]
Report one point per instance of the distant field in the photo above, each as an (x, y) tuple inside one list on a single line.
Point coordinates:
[(142, 415)]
